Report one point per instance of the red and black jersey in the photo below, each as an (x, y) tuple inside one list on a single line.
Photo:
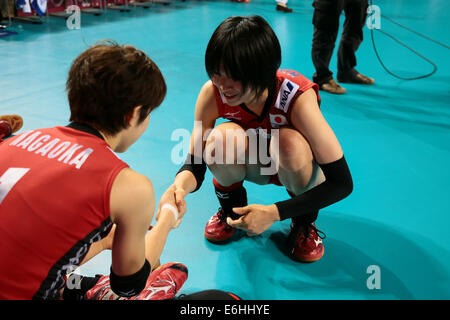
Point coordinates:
[(55, 186), (276, 114)]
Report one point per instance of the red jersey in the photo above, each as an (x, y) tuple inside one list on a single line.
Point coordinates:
[(55, 189), (289, 86)]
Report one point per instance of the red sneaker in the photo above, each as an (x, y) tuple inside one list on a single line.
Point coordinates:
[(5, 129), (163, 283), (306, 243), (15, 122), (217, 229), (102, 291)]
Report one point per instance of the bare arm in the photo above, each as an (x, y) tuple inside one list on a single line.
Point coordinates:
[(307, 118), (157, 236), (206, 113), (205, 117), (132, 208), (154, 240), (132, 205)]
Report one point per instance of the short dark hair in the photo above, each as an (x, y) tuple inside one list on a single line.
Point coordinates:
[(247, 50), (107, 81)]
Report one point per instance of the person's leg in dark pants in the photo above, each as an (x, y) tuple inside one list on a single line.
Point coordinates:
[(326, 26), (352, 36)]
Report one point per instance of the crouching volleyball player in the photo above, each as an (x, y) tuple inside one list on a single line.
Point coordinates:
[(278, 107)]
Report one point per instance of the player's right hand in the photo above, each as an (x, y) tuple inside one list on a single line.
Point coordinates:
[(169, 197)]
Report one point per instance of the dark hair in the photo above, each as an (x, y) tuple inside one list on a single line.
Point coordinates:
[(107, 81), (247, 50)]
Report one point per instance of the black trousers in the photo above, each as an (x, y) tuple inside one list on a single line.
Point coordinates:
[(326, 26)]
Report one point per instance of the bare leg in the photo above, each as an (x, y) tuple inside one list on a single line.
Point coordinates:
[(297, 171), (106, 244), (226, 150)]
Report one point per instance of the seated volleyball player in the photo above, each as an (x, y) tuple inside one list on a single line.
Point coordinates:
[(63, 189), (65, 196), (247, 88)]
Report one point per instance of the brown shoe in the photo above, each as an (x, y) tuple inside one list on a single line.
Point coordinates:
[(332, 87), (357, 78), (283, 8)]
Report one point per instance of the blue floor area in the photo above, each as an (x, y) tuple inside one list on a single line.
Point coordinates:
[(395, 135)]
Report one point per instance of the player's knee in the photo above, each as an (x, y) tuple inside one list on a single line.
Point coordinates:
[(293, 151), (226, 144)]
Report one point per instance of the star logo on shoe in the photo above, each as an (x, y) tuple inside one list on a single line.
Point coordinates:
[(318, 241), (212, 219)]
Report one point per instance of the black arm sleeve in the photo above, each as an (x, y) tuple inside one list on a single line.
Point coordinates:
[(128, 286), (197, 166), (338, 185)]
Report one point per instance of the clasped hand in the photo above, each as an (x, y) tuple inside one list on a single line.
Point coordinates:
[(174, 197), (255, 218)]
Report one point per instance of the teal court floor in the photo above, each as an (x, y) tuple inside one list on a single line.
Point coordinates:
[(395, 135)]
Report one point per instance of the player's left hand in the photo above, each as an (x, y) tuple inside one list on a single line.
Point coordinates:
[(255, 218)]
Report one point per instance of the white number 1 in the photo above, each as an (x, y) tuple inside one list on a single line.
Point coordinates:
[(9, 179)]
